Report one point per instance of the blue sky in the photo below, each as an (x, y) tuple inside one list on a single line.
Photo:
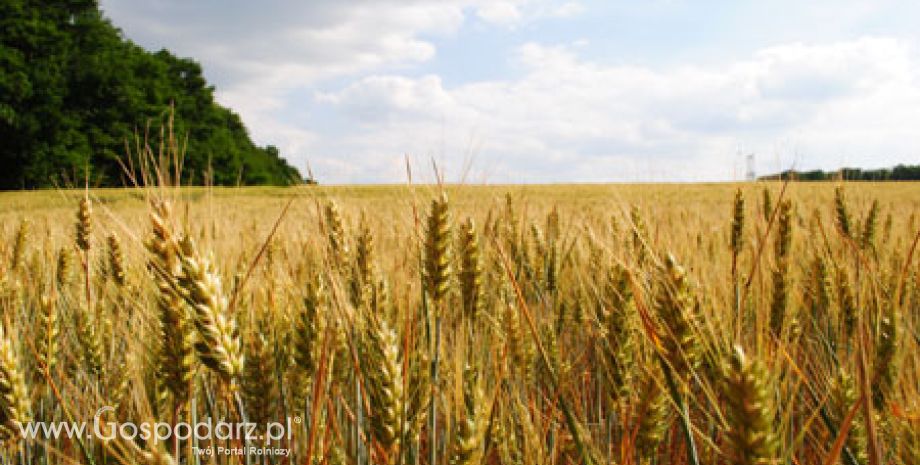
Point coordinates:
[(555, 90)]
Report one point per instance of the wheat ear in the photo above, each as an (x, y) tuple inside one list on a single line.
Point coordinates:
[(176, 364), (749, 411), (468, 442), (383, 375), (218, 341), (14, 395), (49, 329), (678, 309), (116, 260), (19, 245), (335, 233), (63, 268), (470, 271), (842, 213), (783, 245), (437, 250), (84, 225)]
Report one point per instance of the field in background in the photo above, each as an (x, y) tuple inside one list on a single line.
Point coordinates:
[(565, 324)]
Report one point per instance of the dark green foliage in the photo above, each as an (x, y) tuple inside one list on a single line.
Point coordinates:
[(898, 173), (73, 91)]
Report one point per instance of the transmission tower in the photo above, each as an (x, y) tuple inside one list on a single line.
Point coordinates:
[(750, 174)]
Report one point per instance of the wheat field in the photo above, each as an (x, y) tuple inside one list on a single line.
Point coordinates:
[(755, 323)]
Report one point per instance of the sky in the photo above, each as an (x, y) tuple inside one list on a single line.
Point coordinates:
[(535, 91)]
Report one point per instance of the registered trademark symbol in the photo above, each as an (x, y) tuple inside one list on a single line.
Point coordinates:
[(297, 420)]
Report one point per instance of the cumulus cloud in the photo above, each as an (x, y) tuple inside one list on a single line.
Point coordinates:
[(344, 84), (513, 13), (567, 118), (261, 55), (500, 12)]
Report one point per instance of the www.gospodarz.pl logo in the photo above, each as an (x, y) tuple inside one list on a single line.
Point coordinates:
[(206, 430)]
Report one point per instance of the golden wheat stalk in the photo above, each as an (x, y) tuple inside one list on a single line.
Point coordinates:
[(678, 310), (383, 375), (260, 391), (470, 271), (467, 448), (88, 334), (782, 247), (618, 320), (843, 395), (49, 329), (63, 268), (437, 250), (14, 394), (84, 225), (842, 213), (176, 358), (335, 233), (218, 342), (653, 417), (364, 252), (749, 410), (737, 231), (116, 260), (20, 243)]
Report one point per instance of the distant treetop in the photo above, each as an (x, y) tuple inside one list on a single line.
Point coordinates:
[(898, 173), (73, 91)]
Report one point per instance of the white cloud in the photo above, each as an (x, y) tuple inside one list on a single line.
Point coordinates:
[(379, 98), (344, 84), (568, 9), (500, 12), (260, 53), (512, 13), (567, 118)]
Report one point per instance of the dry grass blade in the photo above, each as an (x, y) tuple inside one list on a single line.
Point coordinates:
[(842, 434)]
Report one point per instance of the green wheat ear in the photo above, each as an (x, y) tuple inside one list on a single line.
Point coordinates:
[(846, 302), (259, 389), (437, 250), (470, 271), (468, 442), (654, 415), (617, 323), (886, 363), (737, 230), (870, 227), (842, 213), (309, 326), (843, 395), (639, 234), (781, 252), (678, 309), (747, 390), (364, 252)]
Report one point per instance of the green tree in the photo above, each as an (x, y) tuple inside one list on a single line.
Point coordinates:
[(73, 90)]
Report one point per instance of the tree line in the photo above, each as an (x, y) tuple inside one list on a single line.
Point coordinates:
[(74, 91), (898, 173)]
